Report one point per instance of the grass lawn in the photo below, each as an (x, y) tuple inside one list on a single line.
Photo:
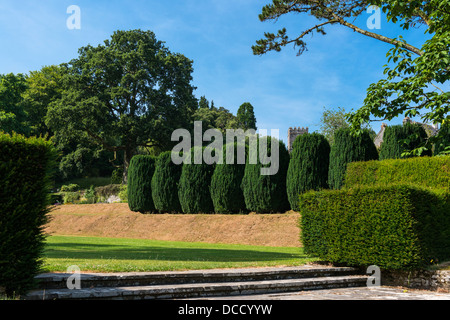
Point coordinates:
[(95, 254)]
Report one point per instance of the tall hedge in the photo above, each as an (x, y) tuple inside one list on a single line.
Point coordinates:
[(226, 189), (140, 174), (165, 184), (308, 166), (393, 227), (348, 148), (193, 189), (26, 168), (266, 193), (400, 138)]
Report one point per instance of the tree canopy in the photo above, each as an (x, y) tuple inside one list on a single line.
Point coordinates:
[(129, 92)]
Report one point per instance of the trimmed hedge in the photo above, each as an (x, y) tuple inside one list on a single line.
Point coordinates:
[(193, 188), (393, 227), (165, 184), (226, 190), (427, 172), (140, 174), (26, 167), (266, 193), (346, 149), (308, 167), (392, 146)]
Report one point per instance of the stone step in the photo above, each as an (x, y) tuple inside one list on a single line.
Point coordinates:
[(196, 290), (59, 280)]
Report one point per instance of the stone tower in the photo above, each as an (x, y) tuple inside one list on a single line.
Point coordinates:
[(293, 133)]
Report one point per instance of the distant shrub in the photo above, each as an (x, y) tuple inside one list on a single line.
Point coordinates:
[(401, 138), (117, 176), (26, 169), (266, 193), (70, 188), (443, 143), (104, 192), (165, 184), (308, 166), (348, 148), (140, 174), (71, 197), (226, 190), (193, 189)]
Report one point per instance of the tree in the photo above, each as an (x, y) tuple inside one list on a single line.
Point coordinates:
[(226, 190), (194, 187), (308, 166), (139, 186), (246, 117), (13, 117), (165, 184), (331, 121), (412, 84), (129, 92), (266, 193), (348, 148), (212, 117), (43, 88)]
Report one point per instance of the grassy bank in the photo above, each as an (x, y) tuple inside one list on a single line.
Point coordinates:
[(95, 254)]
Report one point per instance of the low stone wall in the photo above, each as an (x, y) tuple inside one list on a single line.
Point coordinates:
[(423, 279)]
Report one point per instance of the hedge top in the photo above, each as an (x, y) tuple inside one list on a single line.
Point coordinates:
[(426, 172)]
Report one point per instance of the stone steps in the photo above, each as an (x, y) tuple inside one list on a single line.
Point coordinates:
[(195, 284)]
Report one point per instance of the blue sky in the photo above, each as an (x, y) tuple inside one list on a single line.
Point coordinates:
[(285, 90)]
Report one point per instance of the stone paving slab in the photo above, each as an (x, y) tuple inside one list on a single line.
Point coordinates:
[(358, 293)]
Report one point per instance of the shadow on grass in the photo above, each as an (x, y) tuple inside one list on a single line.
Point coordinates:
[(133, 252)]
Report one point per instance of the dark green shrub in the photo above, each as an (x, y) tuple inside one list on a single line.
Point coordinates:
[(193, 188), (226, 190), (443, 142), (165, 184), (266, 193), (401, 138), (26, 167), (426, 172), (117, 176), (140, 174), (308, 167), (393, 227), (70, 188), (348, 148), (71, 197)]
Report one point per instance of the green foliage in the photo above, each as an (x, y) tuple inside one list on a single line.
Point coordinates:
[(246, 117), (13, 116), (140, 176), (402, 138), (104, 192), (442, 145), (393, 227), (308, 166), (426, 172), (26, 166), (127, 93), (226, 190), (70, 188), (266, 193), (117, 176), (165, 184), (71, 197), (90, 195), (346, 149), (123, 193), (194, 185)]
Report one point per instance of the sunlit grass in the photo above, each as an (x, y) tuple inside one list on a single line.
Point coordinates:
[(95, 254)]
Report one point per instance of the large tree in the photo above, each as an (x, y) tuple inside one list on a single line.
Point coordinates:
[(13, 117), (414, 85), (246, 117), (129, 92)]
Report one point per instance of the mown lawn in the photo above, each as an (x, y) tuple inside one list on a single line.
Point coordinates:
[(94, 254)]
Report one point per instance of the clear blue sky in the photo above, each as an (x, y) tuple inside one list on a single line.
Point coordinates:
[(285, 90)]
